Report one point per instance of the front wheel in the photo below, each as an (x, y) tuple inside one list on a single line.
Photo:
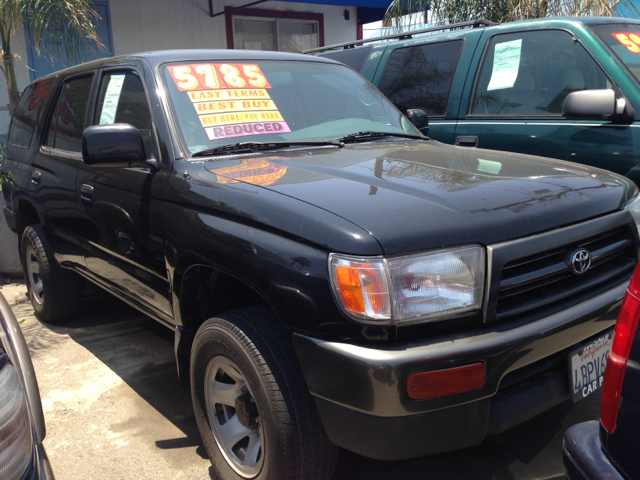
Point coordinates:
[(253, 409)]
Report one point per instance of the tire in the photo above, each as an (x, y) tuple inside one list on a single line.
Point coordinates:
[(272, 404), (54, 292)]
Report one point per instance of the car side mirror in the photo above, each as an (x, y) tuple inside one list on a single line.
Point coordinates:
[(117, 145), (419, 119), (596, 105)]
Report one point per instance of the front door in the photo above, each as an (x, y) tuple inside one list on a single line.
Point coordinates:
[(517, 98), (125, 253)]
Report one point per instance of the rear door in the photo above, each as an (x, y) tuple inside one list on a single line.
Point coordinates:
[(56, 165), (429, 74), (125, 251), (515, 102)]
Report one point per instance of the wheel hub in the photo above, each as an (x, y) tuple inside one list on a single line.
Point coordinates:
[(246, 410)]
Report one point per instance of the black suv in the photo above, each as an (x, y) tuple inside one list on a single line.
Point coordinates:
[(333, 277)]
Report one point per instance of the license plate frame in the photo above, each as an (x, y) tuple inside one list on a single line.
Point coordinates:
[(587, 364)]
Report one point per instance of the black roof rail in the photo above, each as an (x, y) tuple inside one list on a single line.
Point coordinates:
[(403, 36)]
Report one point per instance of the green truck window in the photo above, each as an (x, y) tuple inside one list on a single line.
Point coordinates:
[(622, 39), (531, 73), (421, 77), (352, 57)]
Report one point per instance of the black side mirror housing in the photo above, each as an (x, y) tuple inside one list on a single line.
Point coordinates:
[(419, 119), (117, 145), (596, 105)]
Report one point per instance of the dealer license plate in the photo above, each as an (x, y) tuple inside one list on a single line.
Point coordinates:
[(586, 366)]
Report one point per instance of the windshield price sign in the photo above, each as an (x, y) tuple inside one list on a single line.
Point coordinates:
[(231, 99), (629, 40)]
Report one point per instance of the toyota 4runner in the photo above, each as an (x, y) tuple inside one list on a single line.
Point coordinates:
[(332, 276)]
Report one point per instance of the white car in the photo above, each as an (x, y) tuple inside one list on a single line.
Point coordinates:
[(22, 427)]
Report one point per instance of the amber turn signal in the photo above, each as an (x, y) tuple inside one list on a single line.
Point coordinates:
[(351, 288), (449, 381)]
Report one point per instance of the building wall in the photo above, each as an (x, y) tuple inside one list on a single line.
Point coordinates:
[(144, 25)]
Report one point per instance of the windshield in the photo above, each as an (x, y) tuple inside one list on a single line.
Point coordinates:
[(624, 40), (217, 104)]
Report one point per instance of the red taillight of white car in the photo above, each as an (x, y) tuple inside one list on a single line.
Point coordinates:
[(625, 331)]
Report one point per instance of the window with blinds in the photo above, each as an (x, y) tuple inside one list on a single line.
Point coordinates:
[(276, 34)]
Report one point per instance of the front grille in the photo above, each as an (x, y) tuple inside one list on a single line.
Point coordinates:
[(545, 280)]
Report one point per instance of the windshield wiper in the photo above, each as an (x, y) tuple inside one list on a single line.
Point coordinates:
[(251, 147), (368, 135)]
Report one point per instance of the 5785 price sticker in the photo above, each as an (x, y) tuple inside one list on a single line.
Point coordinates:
[(207, 76), (629, 40)]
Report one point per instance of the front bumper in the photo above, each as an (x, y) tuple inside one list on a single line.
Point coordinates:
[(582, 454), (360, 390)]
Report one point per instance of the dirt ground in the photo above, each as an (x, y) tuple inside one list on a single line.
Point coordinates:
[(115, 410)]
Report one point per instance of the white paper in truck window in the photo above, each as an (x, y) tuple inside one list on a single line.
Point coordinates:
[(111, 99), (506, 62)]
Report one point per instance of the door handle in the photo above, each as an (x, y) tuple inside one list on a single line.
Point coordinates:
[(467, 141), (35, 177), (86, 193)]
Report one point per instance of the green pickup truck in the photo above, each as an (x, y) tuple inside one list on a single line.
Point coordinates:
[(566, 88)]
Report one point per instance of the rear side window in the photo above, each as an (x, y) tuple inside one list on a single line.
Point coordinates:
[(421, 77), (122, 99), (67, 124), (352, 57), (28, 113), (531, 73)]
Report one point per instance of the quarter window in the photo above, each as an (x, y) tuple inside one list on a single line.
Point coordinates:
[(28, 113), (67, 124), (531, 73), (421, 77), (352, 57), (122, 99)]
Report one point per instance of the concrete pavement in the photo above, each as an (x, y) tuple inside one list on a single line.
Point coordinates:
[(115, 410)]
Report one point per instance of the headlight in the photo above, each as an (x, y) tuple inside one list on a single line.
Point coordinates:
[(407, 289), (16, 442), (634, 207)]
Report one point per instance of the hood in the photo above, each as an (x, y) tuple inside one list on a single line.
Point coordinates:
[(418, 195)]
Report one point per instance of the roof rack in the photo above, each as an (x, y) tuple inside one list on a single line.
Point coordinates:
[(404, 36)]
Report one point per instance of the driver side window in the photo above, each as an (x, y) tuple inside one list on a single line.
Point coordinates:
[(531, 73), (122, 99)]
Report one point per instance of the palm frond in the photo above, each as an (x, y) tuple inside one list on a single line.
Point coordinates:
[(66, 26)]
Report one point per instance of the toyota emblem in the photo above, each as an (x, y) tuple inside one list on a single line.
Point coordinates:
[(580, 261)]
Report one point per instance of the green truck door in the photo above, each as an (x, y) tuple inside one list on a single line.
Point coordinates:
[(515, 102), (429, 74)]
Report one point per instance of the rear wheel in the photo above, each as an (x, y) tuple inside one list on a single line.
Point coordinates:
[(54, 292), (253, 409)]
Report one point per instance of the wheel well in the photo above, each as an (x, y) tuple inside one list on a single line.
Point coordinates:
[(26, 215), (206, 292)]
